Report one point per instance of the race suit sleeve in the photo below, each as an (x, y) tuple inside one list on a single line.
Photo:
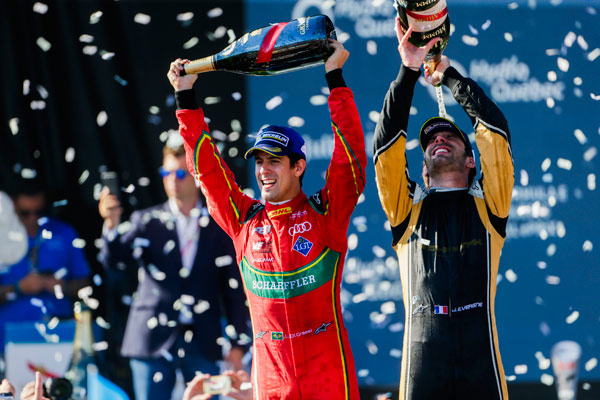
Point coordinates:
[(345, 178), (493, 142), (227, 204), (396, 189)]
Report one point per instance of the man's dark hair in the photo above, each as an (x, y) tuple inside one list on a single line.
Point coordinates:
[(294, 158), (27, 187)]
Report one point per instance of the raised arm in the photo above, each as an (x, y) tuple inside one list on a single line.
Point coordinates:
[(395, 187), (226, 202), (345, 178)]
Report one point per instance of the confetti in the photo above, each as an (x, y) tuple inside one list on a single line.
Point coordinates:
[(520, 369), (40, 8), (28, 173), (547, 379), (236, 96), (70, 155), (90, 50), (38, 105), (142, 19), (233, 283), (486, 25), (318, 100), (511, 276), (120, 80), (95, 17), (106, 55), (582, 43), (372, 47), (591, 364), (552, 280), (101, 118), (273, 103), (572, 317), (563, 64), (580, 136), (187, 16), (564, 164), (85, 38), (473, 30), (13, 124), (470, 40), (43, 44), (191, 43), (223, 261), (215, 12), (508, 37)]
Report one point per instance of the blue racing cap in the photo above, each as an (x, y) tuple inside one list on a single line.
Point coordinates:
[(278, 141)]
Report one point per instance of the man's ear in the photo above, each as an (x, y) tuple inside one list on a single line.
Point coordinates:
[(299, 167), (470, 162), (425, 172)]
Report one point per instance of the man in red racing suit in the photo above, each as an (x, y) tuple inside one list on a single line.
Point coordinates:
[(290, 248)]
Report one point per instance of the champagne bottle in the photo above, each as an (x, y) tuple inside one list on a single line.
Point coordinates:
[(274, 49), (83, 352), (429, 20)]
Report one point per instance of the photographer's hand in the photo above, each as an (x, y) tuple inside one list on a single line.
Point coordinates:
[(195, 390), (7, 387), (34, 390)]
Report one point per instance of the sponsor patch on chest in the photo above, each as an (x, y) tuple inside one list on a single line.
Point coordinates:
[(302, 246)]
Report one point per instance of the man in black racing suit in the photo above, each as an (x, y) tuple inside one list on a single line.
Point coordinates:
[(448, 235)]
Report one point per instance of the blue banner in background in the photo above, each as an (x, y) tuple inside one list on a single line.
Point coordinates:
[(540, 63)]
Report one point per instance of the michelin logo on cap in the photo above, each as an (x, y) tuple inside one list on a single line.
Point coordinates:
[(274, 136)]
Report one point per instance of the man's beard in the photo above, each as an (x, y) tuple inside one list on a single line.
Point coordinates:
[(440, 165)]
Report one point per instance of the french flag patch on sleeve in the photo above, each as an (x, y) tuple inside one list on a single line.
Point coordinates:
[(441, 310)]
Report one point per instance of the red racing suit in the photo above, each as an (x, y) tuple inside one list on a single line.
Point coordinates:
[(291, 258)]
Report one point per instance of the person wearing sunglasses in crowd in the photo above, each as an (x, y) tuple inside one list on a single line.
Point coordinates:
[(43, 283), (189, 281)]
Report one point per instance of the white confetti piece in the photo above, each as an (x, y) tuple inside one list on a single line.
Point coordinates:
[(511, 378), (563, 163), (273, 103), (470, 40), (508, 37), (100, 346), (201, 307), (212, 100), (374, 116), (572, 317), (513, 6), (473, 30), (561, 231), (388, 307), (215, 12), (395, 353), (551, 250), (544, 328), (582, 43), (61, 273), (352, 242), (79, 243), (85, 38), (552, 76), (70, 155), (546, 164), (552, 52), (152, 323), (486, 25), (26, 87), (233, 283), (58, 292), (343, 37), (547, 379), (586, 386), (524, 178), (363, 373), (83, 177), (595, 96), (102, 323), (231, 36), (296, 122), (220, 32), (372, 47), (187, 16), (188, 336), (587, 246), (511, 276), (580, 136), (42, 91), (223, 261), (95, 17), (13, 124), (40, 8), (412, 144), (372, 347), (236, 96), (141, 18), (89, 50), (378, 251), (570, 39), (169, 246), (397, 327), (359, 298), (191, 43), (591, 182), (563, 64), (577, 81), (101, 118), (591, 364), (106, 55), (552, 280), (38, 105), (43, 43), (318, 100), (520, 369), (158, 377), (594, 54)]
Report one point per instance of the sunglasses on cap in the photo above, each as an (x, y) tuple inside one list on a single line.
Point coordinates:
[(180, 173)]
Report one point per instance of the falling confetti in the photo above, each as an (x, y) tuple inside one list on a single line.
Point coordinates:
[(40, 8), (141, 18), (273, 103), (572, 317), (470, 40)]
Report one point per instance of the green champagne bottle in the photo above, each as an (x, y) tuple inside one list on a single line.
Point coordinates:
[(83, 352), (274, 49)]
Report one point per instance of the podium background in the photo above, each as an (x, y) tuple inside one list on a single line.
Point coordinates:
[(82, 113)]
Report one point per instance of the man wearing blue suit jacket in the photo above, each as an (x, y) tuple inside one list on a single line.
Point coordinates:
[(188, 280)]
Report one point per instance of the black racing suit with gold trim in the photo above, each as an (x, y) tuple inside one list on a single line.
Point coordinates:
[(448, 245)]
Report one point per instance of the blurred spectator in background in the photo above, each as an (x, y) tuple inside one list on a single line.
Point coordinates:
[(241, 388), (45, 281), (188, 281), (13, 245)]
